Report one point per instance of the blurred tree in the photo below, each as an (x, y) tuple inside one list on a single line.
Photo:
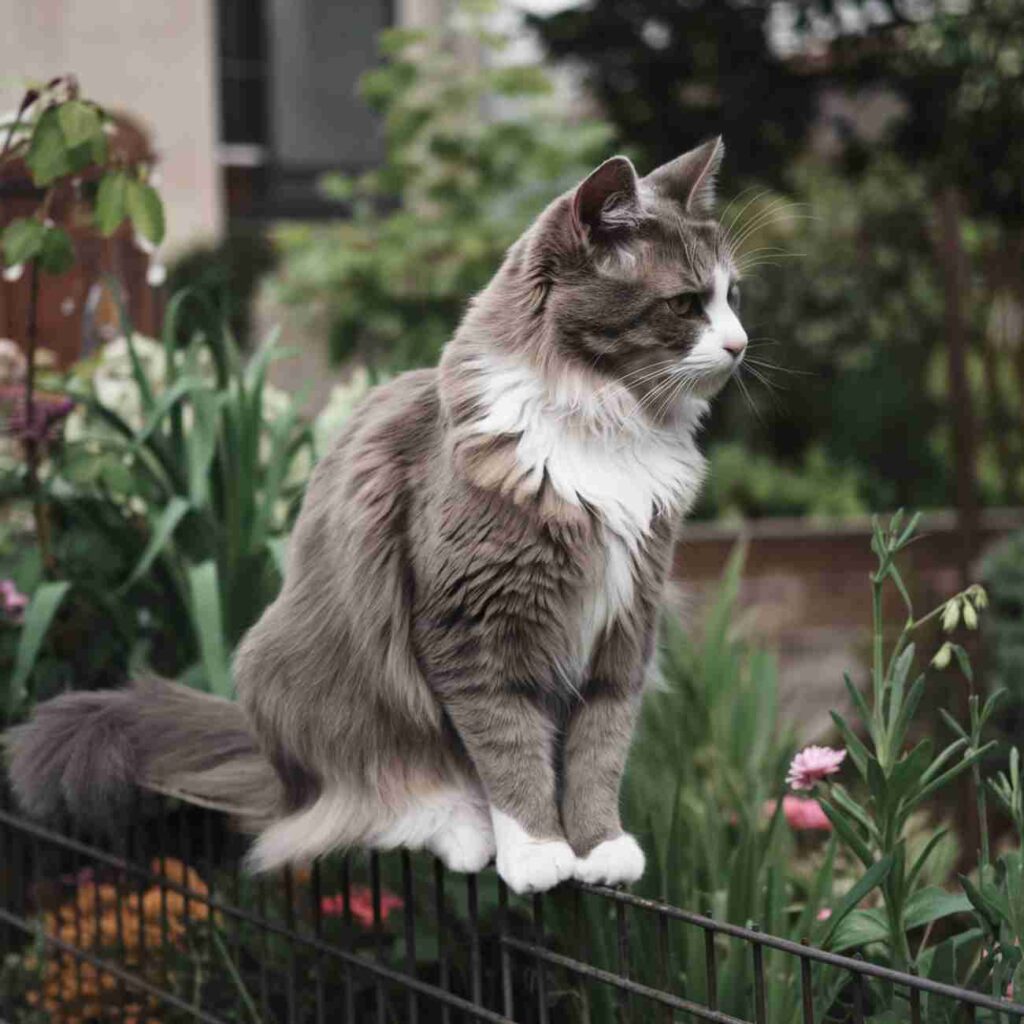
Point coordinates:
[(475, 147), (669, 72)]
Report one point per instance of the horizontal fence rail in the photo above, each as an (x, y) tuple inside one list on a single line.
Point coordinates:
[(159, 923)]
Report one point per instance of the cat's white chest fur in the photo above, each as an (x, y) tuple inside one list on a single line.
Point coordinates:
[(608, 594), (596, 449), (594, 446)]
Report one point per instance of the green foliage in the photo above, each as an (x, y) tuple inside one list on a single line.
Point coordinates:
[(745, 484), (1003, 572), (226, 275), (181, 454), (474, 150), (61, 136), (898, 778)]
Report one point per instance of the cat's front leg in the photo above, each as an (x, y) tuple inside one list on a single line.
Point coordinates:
[(596, 745), (511, 741)]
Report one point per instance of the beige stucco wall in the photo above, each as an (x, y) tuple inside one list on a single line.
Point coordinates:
[(152, 58)]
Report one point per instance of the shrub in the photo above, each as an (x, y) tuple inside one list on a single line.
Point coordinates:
[(474, 148)]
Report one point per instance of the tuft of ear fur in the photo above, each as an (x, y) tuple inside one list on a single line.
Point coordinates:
[(690, 178), (608, 200)]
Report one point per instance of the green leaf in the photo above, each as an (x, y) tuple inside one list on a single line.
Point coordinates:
[(163, 529), (208, 623), (858, 752), (858, 700), (860, 928), (47, 156), (875, 875), (988, 908), (953, 723), (964, 660), (146, 210), (22, 240), (909, 771), (57, 255), (111, 207), (923, 856), (79, 122), (931, 903), (847, 832), (38, 616)]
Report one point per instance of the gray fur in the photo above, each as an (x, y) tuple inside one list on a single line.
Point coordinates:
[(427, 636)]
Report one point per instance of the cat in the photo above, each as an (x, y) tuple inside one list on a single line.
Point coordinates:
[(457, 655)]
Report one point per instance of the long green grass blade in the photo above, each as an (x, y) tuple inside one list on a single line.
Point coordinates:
[(163, 529), (208, 623), (38, 616)]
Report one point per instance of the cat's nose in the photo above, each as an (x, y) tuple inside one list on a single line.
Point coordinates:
[(734, 344)]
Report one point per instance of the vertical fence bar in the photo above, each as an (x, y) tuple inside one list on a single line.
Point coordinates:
[(507, 1000), (663, 962), (538, 937), (858, 996), (408, 898), (317, 896), (711, 968), (915, 1002), (623, 1002), (443, 967), (475, 966), (289, 920), (346, 889), (806, 987), (161, 829), (261, 909), (76, 876), (760, 1009), (378, 937)]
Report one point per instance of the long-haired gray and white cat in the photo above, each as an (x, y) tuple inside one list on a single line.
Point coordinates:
[(457, 655)]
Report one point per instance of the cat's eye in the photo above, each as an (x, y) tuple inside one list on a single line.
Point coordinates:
[(685, 304)]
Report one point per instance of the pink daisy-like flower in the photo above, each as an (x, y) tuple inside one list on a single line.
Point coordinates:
[(812, 764), (824, 914)]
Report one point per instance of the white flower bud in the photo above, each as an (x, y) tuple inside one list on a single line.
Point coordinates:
[(970, 616), (943, 656), (14, 272), (951, 615)]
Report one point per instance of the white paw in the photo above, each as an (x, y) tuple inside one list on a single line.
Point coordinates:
[(465, 846), (536, 866), (617, 861), (527, 864)]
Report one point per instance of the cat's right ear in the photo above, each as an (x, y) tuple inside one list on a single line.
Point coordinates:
[(607, 201)]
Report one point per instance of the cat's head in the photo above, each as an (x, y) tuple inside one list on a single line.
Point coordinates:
[(633, 279)]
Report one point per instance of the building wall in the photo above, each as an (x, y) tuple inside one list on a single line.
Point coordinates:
[(154, 60)]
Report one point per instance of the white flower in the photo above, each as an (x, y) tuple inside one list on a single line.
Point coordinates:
[(970, 616), (951, 615), (943, 655), (14, 272), (156, 275)]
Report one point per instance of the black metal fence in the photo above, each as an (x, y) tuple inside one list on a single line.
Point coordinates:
[(160, 924)]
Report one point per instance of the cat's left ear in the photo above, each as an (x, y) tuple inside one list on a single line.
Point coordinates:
[(690, 178), (607, 201)]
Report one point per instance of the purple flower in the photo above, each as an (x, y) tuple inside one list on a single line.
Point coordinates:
[(47, 412), (812, 764)]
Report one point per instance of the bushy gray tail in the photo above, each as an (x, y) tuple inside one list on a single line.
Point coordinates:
[(84, 753)]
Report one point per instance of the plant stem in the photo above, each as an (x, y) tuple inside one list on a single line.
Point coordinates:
[(31, 443)]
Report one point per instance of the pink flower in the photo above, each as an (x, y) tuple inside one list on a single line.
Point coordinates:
[(824, 914), (12, 601), (361, 905), (813, 764), (804, 815)]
